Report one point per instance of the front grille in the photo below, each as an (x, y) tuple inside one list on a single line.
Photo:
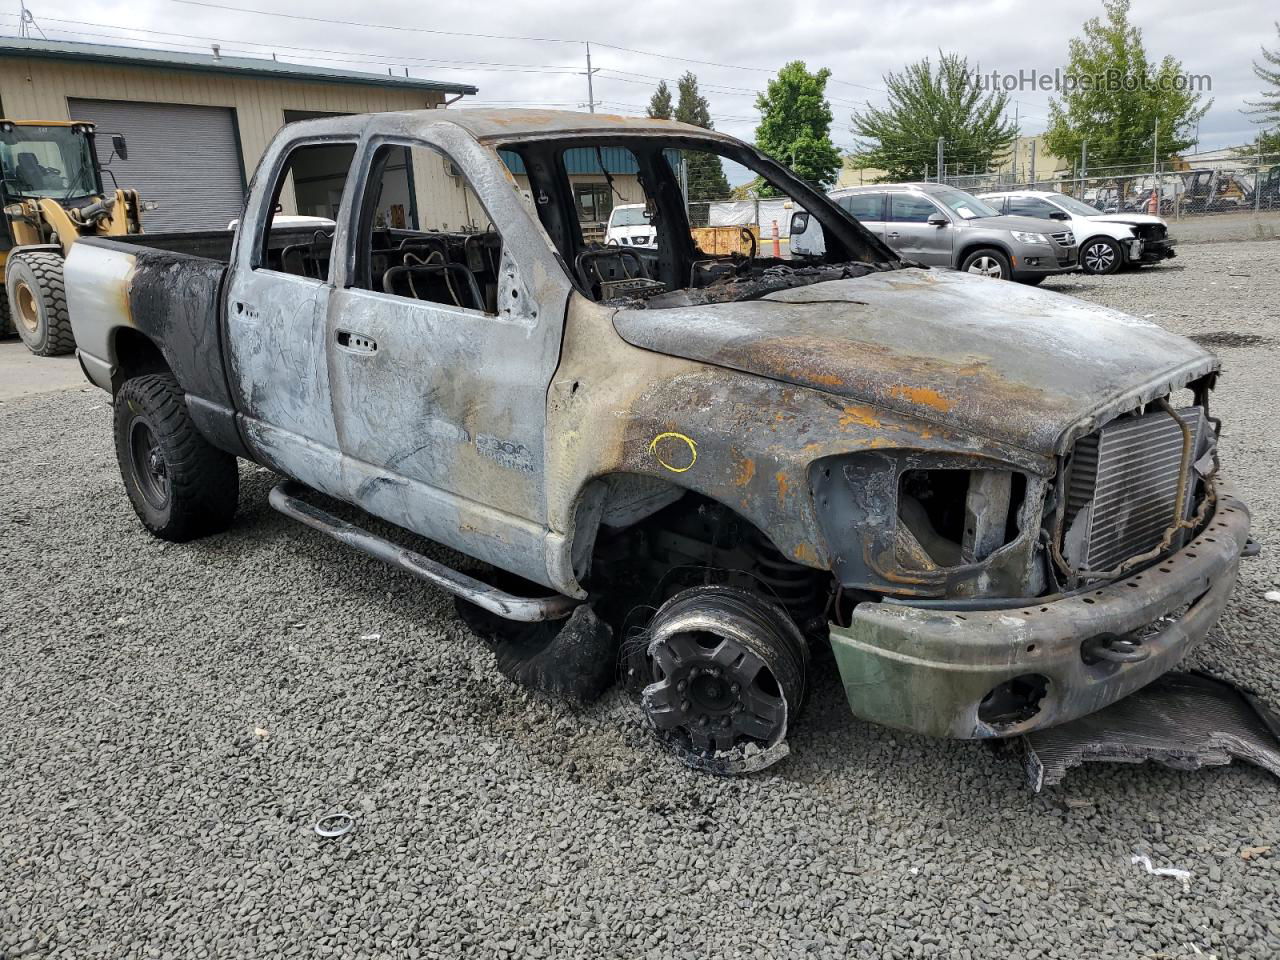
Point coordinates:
[(1152, 231), (1064, 239), (1123, 485)]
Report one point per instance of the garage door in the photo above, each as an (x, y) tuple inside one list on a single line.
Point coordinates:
[(186, 159)]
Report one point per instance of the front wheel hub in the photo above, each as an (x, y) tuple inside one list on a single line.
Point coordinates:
[(728, 669)]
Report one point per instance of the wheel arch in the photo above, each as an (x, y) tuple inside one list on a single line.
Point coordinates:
[(622, 499), (134, 354), (973, 246)]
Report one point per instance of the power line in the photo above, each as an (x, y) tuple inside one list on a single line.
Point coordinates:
[(488, 36)]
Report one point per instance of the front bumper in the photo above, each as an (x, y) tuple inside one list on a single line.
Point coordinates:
[(928, 670), (1153, 251), (1042, 260)]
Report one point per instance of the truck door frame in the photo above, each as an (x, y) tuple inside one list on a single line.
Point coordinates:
[(274, 325), (458, 453)]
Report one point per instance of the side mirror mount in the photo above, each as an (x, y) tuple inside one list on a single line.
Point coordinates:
[(938, 220), (799, 222), (119, 146), (1059, 215)]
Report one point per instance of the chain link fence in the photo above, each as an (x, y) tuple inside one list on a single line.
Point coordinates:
[(1175, 191)]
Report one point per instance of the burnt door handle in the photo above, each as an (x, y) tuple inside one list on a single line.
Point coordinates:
[(356, 343)]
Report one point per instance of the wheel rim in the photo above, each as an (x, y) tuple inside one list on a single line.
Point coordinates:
[(714, 691), (28, 311), (726, 669), (149, 466), (985, 266), (1099, 257)]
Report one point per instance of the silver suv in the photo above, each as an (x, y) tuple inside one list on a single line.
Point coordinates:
[(942, 226)]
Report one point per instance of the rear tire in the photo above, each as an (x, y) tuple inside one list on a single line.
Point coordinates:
[(181, 486), (988, 262), (38, 303)]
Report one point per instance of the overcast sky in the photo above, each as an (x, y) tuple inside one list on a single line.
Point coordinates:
[(858, 42)]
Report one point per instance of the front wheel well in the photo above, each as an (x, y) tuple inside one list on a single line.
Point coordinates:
[(640, 539), (135, 355), (975, 246)]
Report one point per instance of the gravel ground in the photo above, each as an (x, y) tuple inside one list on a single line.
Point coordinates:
[(175, 717)]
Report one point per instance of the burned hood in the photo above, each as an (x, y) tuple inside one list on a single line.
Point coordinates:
[(997, 359)]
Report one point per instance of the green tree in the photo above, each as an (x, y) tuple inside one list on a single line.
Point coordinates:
[(660, 103), (795, 124), (705, 174), (1267, 109), (1118, 98), (926, 104)]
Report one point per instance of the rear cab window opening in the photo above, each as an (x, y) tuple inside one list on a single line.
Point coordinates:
[(701, 199), (312, 180)]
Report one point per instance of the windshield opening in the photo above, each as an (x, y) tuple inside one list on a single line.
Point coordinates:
[(629, 216), (50, 162), (726, 222), (963, 204), (1078, 207)]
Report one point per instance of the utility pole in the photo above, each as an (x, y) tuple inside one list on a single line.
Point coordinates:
[(939, 159), (27, 20), (1257, 180), (1017, 139), (1033, 163), (1084, 158), (591, 93)]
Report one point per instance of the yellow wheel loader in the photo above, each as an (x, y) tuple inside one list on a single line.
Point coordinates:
[(52, 193)]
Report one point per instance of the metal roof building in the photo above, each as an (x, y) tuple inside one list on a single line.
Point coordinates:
[(195, 124)]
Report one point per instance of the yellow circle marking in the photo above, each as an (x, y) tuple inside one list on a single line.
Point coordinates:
[(693, 451)]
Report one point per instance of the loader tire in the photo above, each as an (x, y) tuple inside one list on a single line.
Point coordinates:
[(180, 485), (38, 303)]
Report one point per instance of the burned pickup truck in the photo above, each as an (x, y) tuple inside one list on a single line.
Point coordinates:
[(999, 506)]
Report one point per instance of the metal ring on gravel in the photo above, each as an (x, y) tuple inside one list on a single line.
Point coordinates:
[(728, 668), (333, 825)]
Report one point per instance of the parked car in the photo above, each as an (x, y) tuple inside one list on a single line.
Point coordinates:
[(630, 226), (942, 226), (1108, 241), (720, 460)]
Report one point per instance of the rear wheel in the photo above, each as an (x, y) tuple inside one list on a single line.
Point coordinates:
[(181, 486), (38, 303), (987, 262), (1100, 256)]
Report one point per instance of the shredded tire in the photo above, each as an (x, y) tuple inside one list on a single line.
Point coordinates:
[(201, 482), (575, 658), (41, 273)]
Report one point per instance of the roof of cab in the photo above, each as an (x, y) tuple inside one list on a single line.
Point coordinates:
[(504, 125)]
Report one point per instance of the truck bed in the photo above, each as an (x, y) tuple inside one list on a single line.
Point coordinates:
[(206, 244)]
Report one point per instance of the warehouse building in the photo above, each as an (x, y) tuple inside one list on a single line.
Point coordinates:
[(195, 124)]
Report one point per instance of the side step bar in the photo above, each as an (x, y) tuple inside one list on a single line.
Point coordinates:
[(285, 498)]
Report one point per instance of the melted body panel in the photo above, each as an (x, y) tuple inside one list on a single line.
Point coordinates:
[(1012, 363)]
